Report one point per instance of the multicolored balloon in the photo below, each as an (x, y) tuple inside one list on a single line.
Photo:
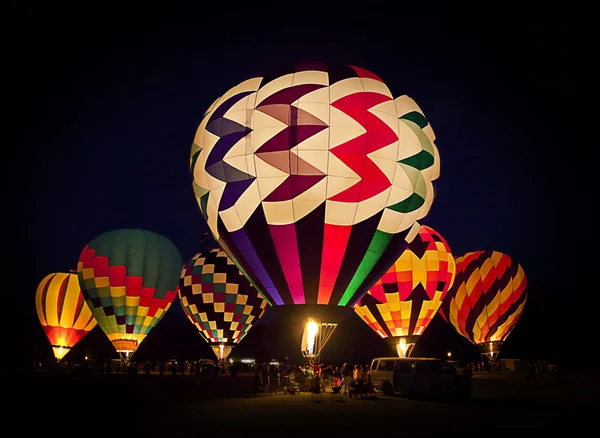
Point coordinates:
[(401, 304), (128, 278), (487, 299), (219, 300), (62, 311), (312, 178)]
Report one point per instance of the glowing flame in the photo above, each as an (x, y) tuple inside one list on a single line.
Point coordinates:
[(402, 347), (221, 351), (312, 328)]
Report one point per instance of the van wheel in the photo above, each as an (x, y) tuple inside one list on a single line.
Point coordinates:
[(387, 389)]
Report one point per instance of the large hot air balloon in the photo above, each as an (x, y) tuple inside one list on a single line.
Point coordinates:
[(401, 304), (63, 313), (219, 300), (312, 178), (486, 300), (128, 278)]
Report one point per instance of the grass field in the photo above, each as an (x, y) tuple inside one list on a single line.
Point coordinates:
[(143, 406)]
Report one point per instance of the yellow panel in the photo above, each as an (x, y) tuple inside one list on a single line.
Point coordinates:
[(250, 319), (88, 273), (118, 291), (212, 325), (493, 305), (241, 299), (233, 326), (132, 301), (392, 297), (228, 316), (208, 298), (148, 321), (101, 282), (208, 269), (232, 288), (142, 310), (433, 265), (159, 313), (418, 265), (39, 306), (219, 278), (72, 294), (403, 265), (419, 277), (196, 288), (473, 280), (486, 267), (219, 307), (51, 300), (203, 316), (440, 254)]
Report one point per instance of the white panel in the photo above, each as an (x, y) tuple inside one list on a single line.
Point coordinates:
[(240, 116), (377, 87), (311, 77), (238, 149), (248, 85), (250, 164), (338, 118), (318, 159), (302, 208), (245, 211), (338, 168), (389, 119), (273, 87), (319, 141), (407, 221), (317, 96), (398, 194), (267, 185), (265, 170), (414, 231), (230, 219), (240, 106), (318, 109), (261, 120), (372, 206), (390, 220), (340, 213), (336, 184), (213, 183), (208, 141), (344, 88), (405, 105), (428, 130), (409, 142), (279, 213), (388, 167), (250, 196), (389, 152)]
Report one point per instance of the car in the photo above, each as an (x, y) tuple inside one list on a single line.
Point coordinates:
[(418, 376)]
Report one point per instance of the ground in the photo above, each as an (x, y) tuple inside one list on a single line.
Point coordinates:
[(97, 405)]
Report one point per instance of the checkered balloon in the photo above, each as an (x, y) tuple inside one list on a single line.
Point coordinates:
[(218, 299)]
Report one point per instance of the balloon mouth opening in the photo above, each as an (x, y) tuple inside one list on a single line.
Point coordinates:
[(490, 349), (125, 346)]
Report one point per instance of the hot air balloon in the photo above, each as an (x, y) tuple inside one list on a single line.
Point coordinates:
[(403, 301), (486, 299), (63, 313), (129, 278), (311, 179), (219, 300)]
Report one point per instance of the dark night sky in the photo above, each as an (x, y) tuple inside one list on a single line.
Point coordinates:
[(103, 111)]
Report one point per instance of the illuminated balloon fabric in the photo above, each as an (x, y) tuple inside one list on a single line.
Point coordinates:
[(407, 297), (487, 298), (128, 279), (312, 179), (62, 311), (218, 299)]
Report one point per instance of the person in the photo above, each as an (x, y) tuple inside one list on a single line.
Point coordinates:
[(346, 377)]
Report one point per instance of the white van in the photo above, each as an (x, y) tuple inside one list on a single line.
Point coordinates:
[(419, 376)]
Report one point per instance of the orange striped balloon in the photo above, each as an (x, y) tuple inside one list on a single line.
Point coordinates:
[(487, 298), (63, 312)]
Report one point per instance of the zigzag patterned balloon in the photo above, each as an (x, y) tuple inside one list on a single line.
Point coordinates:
[(312, 178)]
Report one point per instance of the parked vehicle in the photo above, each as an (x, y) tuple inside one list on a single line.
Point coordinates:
[(418, 376)]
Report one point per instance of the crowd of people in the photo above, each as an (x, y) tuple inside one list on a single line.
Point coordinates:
[(314, 377)]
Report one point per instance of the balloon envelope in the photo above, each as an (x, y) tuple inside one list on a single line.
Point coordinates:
[(486, 299), (312, 178), (403, 301), (128, 279), (219, 300), (62, 311)]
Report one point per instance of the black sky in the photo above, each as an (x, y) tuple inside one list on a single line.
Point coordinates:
[(103, 106)]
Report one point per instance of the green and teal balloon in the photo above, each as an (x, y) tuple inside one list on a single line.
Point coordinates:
[(129, 278)]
